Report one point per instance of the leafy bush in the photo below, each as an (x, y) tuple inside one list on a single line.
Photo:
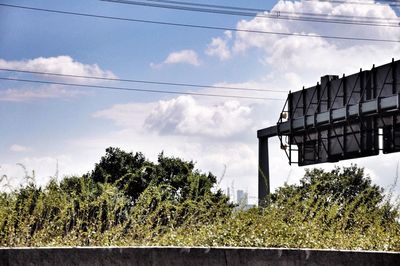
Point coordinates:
[(171, 203)]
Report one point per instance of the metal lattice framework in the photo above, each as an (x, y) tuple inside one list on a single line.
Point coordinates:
[(339, 118)]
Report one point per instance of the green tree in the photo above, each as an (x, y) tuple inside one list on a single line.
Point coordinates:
[(344, 191), (133, 173), (115, 164), (339, 185)]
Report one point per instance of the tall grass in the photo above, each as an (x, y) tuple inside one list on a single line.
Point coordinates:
[(80, 212)]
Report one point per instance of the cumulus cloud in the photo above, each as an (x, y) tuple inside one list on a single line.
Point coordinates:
[(180, 57), (329, 56), (300, 61), (219, 47), (383, 12), (62, 64), (185, 116)]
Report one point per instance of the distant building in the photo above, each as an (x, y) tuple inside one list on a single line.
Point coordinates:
[(241, 197)]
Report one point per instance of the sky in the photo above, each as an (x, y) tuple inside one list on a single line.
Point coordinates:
[(46, 127)]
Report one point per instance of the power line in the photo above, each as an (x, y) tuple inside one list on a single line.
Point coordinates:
[(267, 10), (258, 10), (275, 15), (141, 81), (196, 26), (392, 3), (139, 90), (208, 5), (262, 10)]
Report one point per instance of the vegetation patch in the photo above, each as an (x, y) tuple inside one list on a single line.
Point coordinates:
[(128, 200)]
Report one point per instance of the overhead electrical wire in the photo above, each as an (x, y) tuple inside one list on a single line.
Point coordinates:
[(391, 3), (207, 5), (140, 90), (197, 26), (140, 81), (257, 10), (276, 15), (245, 8)]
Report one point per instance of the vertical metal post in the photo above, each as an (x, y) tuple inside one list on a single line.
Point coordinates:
[(263, 172)]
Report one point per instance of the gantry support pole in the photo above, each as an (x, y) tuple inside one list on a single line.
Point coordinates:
[(263, 172), (263, 164)]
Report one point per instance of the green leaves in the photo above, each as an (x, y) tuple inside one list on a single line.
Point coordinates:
[(133, 173), (171, 203)]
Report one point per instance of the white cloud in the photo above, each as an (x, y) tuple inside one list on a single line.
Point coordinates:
[(292, 62), (180, 57), (185, 116), (19, 148), (59, 64), (219, 47), (62, 64), (268, 43)]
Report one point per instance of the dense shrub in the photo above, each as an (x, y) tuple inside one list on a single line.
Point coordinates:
[(175, 205)]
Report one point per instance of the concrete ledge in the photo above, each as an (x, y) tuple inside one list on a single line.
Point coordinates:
[(192, 256)]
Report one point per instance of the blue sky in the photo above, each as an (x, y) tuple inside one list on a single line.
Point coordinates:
[(43, 124)]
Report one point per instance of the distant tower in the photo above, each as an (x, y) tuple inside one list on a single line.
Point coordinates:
[(241, 197), (233, 191)]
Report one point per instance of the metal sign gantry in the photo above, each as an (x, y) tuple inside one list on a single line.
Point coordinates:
[(335, 120)]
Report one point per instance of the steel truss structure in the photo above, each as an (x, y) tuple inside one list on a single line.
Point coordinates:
[(338, 119)]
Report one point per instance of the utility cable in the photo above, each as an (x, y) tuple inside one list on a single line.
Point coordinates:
[(197, 26), (391, 3), (257, 10), (275, 15), (207, 5), (139, 90), (140, 81)]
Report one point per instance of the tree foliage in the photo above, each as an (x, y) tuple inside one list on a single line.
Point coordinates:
[(133, 173), (128, 200), (343, 188)]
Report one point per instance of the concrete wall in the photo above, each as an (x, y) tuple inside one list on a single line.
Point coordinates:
[(191, 256)]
